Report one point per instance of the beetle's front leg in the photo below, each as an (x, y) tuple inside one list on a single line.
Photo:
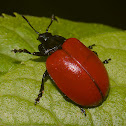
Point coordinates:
[(26, 51), (20, 51)]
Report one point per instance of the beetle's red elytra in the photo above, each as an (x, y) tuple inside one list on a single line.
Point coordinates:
[(76, 70), (79, 73)]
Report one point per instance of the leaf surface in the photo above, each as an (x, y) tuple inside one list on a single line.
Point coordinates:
[(20, 74)]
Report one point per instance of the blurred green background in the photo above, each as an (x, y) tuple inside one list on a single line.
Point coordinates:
[(110, 12)]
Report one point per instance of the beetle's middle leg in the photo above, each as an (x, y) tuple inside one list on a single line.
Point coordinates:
[(41, 91)]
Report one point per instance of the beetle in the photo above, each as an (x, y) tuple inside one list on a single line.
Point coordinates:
[(76, 70)]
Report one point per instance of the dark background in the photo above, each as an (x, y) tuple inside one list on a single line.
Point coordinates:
[(110, 12)]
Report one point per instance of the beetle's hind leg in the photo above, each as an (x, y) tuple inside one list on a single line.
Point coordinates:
[(69, 100), (91, 47), (41, 91), (105, 61)]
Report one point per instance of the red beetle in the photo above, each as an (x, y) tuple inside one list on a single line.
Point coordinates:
[(76, 70)]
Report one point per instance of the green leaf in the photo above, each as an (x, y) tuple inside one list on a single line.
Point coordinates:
[(20, 74)]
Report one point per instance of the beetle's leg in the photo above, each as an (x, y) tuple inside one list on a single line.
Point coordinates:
[(91, 46), (41, 91), (20, 51), (83, 110), (68, 99), (26, 51), (95, 53), (106, 61)]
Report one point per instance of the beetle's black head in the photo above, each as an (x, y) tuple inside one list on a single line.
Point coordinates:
[(44, 37), (49, 43)]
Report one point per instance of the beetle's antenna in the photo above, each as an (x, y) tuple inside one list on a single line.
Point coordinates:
[(52, 19), (30, 24)]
